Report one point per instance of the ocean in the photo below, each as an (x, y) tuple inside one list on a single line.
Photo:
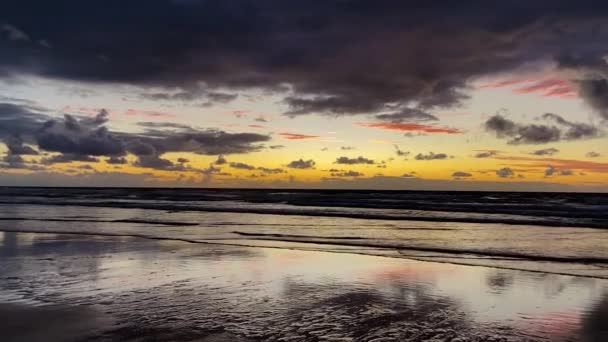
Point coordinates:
[(561, 233)]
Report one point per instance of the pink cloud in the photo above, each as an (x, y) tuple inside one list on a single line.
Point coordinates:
[(547, 87), (412, 127)]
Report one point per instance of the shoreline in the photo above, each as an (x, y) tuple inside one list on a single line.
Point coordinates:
[(394, 253)]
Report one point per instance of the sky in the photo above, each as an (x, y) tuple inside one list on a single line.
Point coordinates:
[(337, 94)]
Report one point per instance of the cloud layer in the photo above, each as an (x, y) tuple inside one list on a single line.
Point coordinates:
[(333, 57)]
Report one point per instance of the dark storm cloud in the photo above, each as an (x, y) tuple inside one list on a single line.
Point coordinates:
[(431, 156), (302, 164), (16, 147), (595, 93), (15, 161), (334, 57), (590, 69), (87, 138), (79, 137), (19, 121), (75, 138), (555, 129), (353, 161)]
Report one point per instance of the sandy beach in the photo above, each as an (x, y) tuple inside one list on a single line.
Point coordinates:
[(65, 287)]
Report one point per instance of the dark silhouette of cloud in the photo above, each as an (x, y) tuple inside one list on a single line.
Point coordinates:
[(546, 152), (16, 147), (485, 154), (349, 173), (409, 175), (505, 172), (302, 164), (353, 161), (552, 171), (267, 170), (461, 174), (241, 166), (556, 129), (431, 156), (401, 153), (221, 160)]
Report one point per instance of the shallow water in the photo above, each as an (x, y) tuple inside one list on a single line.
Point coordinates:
[(561, 250), (178, 289)]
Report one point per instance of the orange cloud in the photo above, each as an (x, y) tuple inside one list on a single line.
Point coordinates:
[(295, 136), (257, 126), (412, 127)]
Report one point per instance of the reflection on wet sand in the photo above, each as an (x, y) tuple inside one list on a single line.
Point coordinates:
[(180, 291)]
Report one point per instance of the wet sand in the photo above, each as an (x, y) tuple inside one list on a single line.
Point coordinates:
[(60, 287)]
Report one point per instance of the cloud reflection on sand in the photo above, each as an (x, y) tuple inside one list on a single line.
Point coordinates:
[(268, 293)]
